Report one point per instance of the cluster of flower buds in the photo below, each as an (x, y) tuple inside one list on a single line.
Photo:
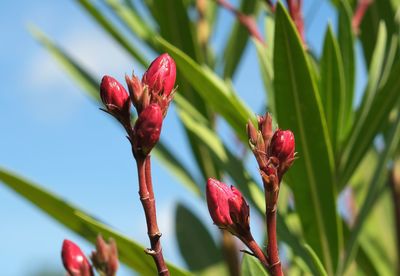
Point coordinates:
[(274, 151), (75, 262), (104, 259), (150, 96), (228, 208)]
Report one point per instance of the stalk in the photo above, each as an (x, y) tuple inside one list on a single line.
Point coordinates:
[(148, 202)]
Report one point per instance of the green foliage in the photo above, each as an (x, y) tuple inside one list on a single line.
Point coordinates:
[(299, 108), (312, 96), (252, 267), (195, 242)]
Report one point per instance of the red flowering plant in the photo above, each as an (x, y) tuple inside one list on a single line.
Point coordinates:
[(325, 167)]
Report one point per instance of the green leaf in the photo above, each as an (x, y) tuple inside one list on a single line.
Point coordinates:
[(212, 89), (375, 72), (238, 38), (231, 164), (332, 88), (251, 266), (377, 11), (385, 99), (196, 245), (130, 17), (299, 108), (113, 31), (316, 260), (90, 85), (130, 252), (175, 26), (346, 45), (376, 184)]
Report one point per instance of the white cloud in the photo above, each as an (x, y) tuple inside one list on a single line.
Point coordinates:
[(49, 85)]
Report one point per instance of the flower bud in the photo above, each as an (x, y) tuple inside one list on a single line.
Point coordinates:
[(105, 258), (239, 210), (227, 207), (160, 77), (265, 127), (115, 98), (75, 262), (147, 129), (282, 147)]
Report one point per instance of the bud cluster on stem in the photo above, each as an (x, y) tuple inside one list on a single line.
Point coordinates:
[(151, 97), (275, 153)]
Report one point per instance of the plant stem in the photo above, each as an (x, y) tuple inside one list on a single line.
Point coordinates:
[(271, 198), (256, 250), (147, 198)]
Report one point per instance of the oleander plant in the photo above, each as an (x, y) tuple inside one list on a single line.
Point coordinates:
[(324, 190)]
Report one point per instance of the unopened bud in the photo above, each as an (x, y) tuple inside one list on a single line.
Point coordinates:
[(282, 147), (75, 262), (136, 92), (105, 258), (147, 129), (227, 207), (265, 127), (251, 133), (115, 98), (160, 77)]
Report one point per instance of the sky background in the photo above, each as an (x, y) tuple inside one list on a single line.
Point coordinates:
[(52, 134)]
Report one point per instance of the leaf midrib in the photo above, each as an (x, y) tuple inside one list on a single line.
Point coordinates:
[(320, 224)]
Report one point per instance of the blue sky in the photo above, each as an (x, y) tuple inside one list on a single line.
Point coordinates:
[(52, 134)]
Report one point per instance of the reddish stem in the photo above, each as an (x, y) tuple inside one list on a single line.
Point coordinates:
[(147, 198), (247, 21), (256, 250), (272, 248), (359, 13)]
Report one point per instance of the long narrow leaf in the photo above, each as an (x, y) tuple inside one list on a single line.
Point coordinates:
[(311, 177), (130, 252), (387, 97), (332, 88), (377, 182), (347, 45)]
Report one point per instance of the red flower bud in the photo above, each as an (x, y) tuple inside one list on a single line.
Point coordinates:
[(148, 128), (282, 147), (227, 207), (75, 262), (160, 77), (115, 98)]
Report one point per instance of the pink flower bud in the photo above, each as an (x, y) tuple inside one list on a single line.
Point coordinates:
[(148, 128), (282, 147), (239, 210), (75, 262), (227, 207), (160, 77), (115, 98)]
